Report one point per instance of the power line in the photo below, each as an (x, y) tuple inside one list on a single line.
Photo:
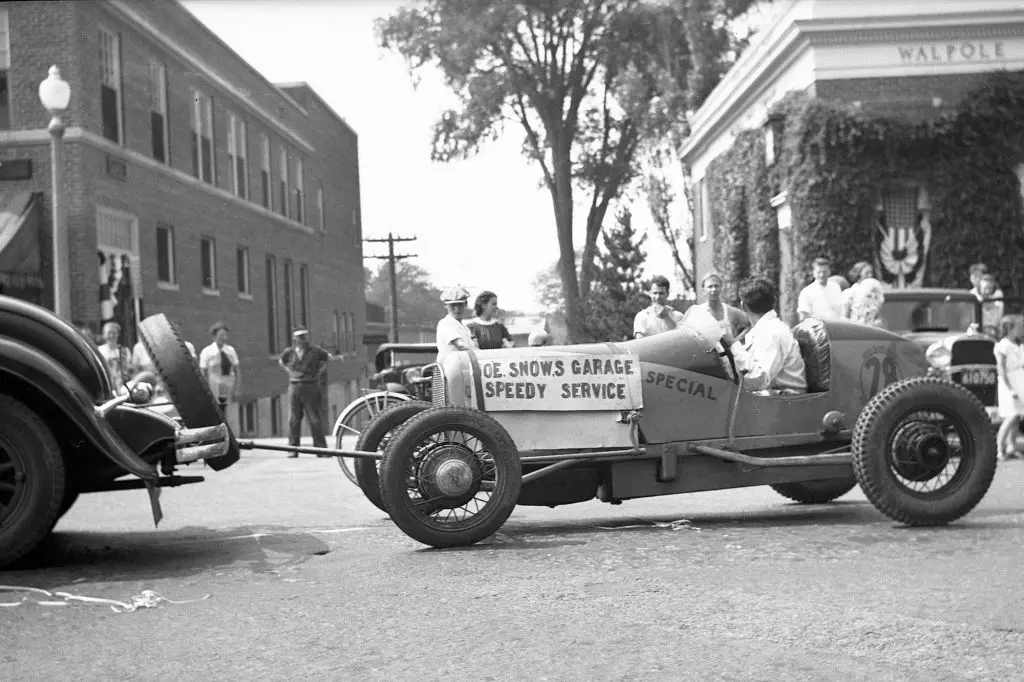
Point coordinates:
[(391, 258)]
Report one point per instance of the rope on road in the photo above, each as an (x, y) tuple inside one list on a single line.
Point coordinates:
[(147, 599)]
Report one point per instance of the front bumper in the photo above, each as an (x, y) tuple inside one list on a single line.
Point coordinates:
[(208, 442)]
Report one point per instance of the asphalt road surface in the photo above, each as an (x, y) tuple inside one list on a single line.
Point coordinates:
[(308, 580)]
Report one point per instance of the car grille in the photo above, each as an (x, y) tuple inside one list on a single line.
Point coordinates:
[(975, 352), (437, 388)]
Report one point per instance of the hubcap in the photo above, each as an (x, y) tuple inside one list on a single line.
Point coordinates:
[(920, 451), (449, 476)]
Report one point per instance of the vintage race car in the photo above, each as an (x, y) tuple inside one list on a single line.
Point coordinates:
[(65, 430), (665, 415), (404, 372)]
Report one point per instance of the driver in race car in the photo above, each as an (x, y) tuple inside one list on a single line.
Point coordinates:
[(769, 358)]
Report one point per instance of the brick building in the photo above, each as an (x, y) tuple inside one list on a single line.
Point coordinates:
[(910, 60), (215, 194)]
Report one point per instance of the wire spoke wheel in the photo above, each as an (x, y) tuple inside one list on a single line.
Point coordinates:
[(375, 437), (354, 420), (923, 451), (450, 476)]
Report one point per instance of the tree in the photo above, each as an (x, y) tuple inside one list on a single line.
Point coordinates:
[(419, 301), (586, 80), (613, 301)]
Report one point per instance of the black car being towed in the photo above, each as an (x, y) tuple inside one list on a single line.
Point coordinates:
[(957, 332), (65, 430)]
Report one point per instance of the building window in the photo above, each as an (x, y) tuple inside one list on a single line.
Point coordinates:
[(110, 85), (5, 65), (208, 258), (300, 193), (272, 304), (283, 183), (165, 261), (203, 163), (248, 417), (275, 415), (242, 268), (236, 152), (289, 308), (304, 295), (320, 207), (159, 132), (336, 338), (266, 194)]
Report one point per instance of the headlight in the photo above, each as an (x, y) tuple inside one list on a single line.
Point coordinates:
[(412, 374), (938, 355)]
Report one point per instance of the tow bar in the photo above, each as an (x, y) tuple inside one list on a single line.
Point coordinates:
[(309, 450)]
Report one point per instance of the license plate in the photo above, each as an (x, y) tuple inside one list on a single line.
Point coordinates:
[(978, 376)]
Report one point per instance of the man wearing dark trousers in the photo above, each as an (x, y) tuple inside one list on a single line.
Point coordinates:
[(305, 363)]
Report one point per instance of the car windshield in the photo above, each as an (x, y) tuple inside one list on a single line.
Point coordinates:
[(903, 315), (406, 358)]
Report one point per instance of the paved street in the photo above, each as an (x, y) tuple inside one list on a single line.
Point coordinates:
[(307, 580)]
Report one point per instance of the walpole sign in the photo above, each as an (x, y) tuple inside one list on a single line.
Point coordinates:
[(959, 51), (564, 382)]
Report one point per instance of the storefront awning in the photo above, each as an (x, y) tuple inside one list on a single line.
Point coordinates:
[(20, 254)]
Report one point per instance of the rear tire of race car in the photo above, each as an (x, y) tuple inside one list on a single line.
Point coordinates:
[(185, 385), (375, 436), (440, 463), (33, 478), (816, 492), (908, 436)]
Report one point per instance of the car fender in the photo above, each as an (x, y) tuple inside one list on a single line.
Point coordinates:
[(67, 394)]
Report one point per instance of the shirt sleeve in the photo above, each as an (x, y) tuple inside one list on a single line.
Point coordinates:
[(803, 302), (285, 356), (505, 333), (638, 324), (762, 362)]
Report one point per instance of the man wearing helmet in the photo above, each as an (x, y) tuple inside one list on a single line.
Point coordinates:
[(452, 334)]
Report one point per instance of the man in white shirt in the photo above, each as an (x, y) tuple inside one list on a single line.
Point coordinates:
[(657, 317), (219, 364), (821, 298), (769, 358), (732, 320), (452, 333)]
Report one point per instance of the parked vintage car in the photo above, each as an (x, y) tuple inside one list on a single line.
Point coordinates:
[(403, 373), (956, 331), (65, 430), (663, 415)]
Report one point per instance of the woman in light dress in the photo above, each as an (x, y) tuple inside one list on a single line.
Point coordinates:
[(866, 302)]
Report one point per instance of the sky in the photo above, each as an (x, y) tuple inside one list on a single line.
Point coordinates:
[(484, 223)]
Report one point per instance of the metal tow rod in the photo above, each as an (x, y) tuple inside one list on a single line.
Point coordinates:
[(309, 450)]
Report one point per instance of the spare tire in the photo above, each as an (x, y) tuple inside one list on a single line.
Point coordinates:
[(185, 385)]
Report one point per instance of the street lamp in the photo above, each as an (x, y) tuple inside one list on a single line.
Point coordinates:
[(54, 93), (774, 127)]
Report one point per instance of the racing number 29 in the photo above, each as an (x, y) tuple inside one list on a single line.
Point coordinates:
[(883, 371)]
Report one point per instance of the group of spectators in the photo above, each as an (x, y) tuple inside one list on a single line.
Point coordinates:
[(305, 364)]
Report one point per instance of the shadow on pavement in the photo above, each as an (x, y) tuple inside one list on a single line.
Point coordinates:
[(153, 555), (850, 514)]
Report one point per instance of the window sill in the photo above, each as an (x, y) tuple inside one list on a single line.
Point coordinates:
[(168, 286), (211, 292), (244, 296)]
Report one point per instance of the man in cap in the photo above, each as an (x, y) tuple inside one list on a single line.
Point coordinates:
[(219, 364), (305, 363), (452, 334)]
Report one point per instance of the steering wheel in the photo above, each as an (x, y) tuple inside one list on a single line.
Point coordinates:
[(727, 353)]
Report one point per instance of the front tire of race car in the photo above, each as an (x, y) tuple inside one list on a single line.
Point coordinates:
[(816, 492), (451, 476), (923, 451), (185, 385), (375, 436)]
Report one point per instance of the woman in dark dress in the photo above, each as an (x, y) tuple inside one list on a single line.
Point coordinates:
[(487, 330)]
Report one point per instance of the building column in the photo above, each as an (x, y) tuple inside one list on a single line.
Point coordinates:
[(790, 278)]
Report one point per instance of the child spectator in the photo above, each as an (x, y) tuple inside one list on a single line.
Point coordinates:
[(1010, 364)]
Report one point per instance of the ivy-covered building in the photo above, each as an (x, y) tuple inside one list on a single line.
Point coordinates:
[(888, 132)]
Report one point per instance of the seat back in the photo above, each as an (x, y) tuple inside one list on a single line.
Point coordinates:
[(814, 347)]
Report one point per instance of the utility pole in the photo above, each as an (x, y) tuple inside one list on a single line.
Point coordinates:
[(391, 258)]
